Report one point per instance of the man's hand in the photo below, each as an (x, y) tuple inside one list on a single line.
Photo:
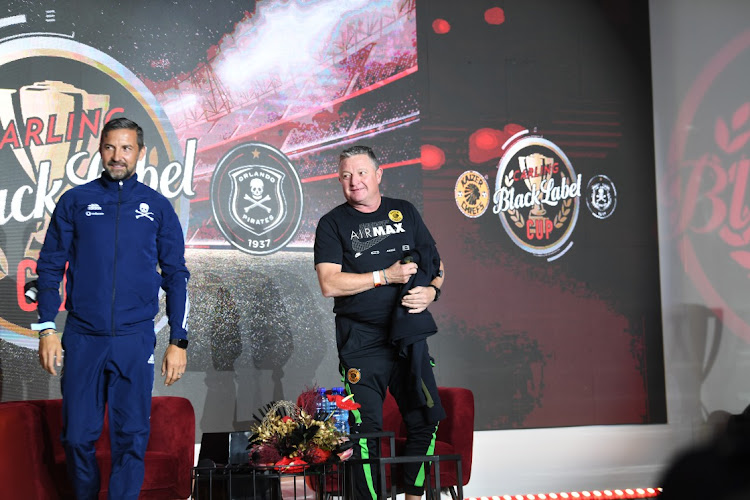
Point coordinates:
[(418, 298), (400, 273), (50, 351), (174, 363)]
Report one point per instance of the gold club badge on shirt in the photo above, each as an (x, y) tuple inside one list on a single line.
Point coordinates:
[(353, 375)]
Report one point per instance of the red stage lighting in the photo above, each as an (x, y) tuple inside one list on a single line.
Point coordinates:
[(495, 16), (487, 139), (432, 157), (487, 143), (441, 26)]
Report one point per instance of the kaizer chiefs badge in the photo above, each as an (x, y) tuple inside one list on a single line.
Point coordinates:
[(256, 197), (537, 196), (472, 194), (353, 375)]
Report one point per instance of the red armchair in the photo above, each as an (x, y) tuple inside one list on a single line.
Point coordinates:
[(455, 435), (32, 463)]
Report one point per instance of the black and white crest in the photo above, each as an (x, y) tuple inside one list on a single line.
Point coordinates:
[(257, 202), (256, 198), (601, 196)]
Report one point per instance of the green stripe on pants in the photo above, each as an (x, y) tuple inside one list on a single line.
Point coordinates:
[(430, 451)]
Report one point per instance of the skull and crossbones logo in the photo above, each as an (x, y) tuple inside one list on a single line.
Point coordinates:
[(601, 197), (256, 197), (142, 211)]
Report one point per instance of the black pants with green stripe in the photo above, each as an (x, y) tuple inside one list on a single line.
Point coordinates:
[(370, 366)]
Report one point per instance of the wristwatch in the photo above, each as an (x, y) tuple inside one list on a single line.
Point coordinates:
[(437, 292), (181, 343)]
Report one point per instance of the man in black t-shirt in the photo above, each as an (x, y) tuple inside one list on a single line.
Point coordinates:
[(376, 257)]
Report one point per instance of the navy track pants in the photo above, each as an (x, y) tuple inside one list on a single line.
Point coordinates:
[(117, 371)]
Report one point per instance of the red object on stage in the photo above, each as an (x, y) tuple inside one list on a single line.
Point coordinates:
[(33, 464), (343, 403)]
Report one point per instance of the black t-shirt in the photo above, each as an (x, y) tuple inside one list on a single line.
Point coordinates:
[(362, 243)]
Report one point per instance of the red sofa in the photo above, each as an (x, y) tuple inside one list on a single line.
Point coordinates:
[(32, 461)]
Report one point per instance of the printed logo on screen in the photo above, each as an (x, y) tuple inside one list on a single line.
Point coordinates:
[(706, 183), (601, 196), (256, 198), (537, 196), (472, 194), (55, 96)]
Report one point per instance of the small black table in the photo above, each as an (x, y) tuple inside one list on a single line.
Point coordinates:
[(248, 482)]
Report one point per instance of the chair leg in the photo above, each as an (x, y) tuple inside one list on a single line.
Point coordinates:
[(454, 494)]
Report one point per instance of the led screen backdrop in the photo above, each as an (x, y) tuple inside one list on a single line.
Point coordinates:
[(537, 130), (527, 146)]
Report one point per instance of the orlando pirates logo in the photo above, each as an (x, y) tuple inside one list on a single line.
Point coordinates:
[(601, 196), (257, 202), (256, 198)]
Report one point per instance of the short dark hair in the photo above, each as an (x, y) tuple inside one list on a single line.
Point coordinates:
[(124, 123), (359, 150)]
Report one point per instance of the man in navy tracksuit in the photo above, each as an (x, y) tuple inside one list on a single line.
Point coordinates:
[(112, 232), (380, 301)]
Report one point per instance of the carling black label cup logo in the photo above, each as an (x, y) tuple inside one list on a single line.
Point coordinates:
[(537, 197), (706, 183), (55, 96)]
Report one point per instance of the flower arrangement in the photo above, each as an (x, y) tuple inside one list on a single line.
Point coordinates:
[(291, 437)]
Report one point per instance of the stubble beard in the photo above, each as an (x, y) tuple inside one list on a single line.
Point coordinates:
[(118, 174)]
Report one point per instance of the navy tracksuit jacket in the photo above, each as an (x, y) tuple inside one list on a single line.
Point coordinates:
[(112, 235)]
